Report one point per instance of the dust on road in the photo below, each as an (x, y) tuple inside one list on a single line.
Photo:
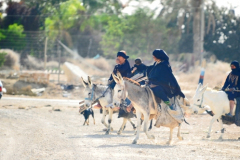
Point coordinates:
[(39, 132)]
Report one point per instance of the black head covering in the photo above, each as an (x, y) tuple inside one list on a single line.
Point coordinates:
[(160, 54), (235, 71), (122, 55), (138, 61)]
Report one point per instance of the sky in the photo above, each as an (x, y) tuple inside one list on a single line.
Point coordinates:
[(156, 5), (133, 5)]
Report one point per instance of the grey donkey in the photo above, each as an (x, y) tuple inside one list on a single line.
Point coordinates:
[(93, 92), (145, 104)]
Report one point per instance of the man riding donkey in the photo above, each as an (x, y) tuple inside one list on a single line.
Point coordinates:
[(161, 79), (123, 67), (232, 84)]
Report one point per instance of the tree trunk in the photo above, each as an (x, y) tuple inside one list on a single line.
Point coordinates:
[(196, 4)]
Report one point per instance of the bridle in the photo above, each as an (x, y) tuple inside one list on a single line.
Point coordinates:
[(93, 93), (123, 95), (200, 106)]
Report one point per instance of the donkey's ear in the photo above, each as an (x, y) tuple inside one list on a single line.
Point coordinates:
[(204, 89), (198, 87), (119, 76), (84, 83), (89, 81), (115, 78)]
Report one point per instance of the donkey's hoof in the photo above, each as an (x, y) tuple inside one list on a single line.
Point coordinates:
[(134, 141), (208, 136), (168, 142), (119, 132), (220, 138), (107, 133), (180, 138)]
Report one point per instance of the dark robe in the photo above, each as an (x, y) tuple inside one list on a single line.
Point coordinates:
[(124, 69), (142, 68), (232, 81), (161, 75)]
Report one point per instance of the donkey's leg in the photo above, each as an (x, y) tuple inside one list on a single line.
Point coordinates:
[(179, 133), (109, 120), (104, 116), (170, 137), (215, 117), (84, 122), (123, 124), (133, 125), (222, 129), (145, 128), (150, 126), (138, 114), (93, 118)]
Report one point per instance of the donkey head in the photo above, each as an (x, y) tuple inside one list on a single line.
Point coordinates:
[(119, 91), (88, 92), (199, 96), (187, 107)]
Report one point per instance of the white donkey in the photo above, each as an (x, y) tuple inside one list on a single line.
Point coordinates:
[(104, 95), (145, 104), (216, 100)]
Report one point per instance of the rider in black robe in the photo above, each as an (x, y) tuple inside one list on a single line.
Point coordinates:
[(161, 79), (124, 69), (232, 83)]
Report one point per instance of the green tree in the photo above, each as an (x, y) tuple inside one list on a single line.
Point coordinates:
[(14, 37), (67, 16), (223, 35), (139, 34)]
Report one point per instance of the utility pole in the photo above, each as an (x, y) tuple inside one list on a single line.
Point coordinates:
[(89, 47), (197, 40), (59, 60), (45, 53)]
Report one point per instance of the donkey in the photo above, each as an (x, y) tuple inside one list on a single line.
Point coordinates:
[(145, 104), (92, 92), (216, 100)]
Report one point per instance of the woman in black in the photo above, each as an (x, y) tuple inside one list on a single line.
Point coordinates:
[(161, 79)]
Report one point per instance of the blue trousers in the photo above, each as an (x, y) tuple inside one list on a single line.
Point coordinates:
[(160, 93)]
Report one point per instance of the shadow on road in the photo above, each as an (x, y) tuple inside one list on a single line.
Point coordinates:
[(151, 146)]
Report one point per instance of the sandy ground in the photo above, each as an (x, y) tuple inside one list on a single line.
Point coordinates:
[(39, 132)]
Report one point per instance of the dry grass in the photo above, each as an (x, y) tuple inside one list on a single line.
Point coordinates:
[(52, 64), (12, 59), (215, 75), (33, 63), (105, 67), (101, 63)]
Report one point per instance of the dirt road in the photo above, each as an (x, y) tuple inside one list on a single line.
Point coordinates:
[(39, 132)]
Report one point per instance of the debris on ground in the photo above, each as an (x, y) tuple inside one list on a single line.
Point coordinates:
[(38, 92)]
